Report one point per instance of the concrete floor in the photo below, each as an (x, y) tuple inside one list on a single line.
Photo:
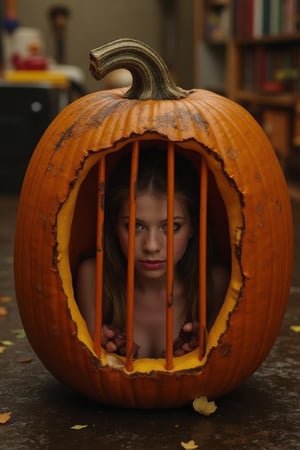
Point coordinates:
[(264, 413)]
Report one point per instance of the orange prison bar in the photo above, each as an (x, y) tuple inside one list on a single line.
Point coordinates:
[(170, 256), (131, 257), (202, 257), (99, 256)]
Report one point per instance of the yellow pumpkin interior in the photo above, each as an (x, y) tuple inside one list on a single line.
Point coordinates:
[(76, 236)]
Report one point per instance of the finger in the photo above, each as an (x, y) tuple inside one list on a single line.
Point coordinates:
[(110, 347), (119, 340), (187, 347), (179, 352), (108, 332), (187, 327)]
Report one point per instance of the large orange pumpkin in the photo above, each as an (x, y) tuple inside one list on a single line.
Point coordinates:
[(56, 222)]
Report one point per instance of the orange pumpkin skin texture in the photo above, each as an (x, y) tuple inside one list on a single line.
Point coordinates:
[(253, 189)]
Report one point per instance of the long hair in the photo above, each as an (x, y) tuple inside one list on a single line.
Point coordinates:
[(152, 174)]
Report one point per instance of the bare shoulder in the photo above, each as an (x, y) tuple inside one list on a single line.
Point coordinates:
[(85, 290), (87, 266), (221, 278), (220, 273), (86, 277)]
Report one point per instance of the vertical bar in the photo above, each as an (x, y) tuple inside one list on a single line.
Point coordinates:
[(202, 257), (170, 256), (99, 257), (131, 257)]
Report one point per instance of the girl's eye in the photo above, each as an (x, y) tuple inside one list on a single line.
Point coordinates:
[(176, 227), (138, 226)]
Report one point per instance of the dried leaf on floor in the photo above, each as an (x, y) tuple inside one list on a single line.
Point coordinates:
[(3, 311), (5, 299), (78, 427), (2, 349), (4, 417), (7, 343), (190, 445), (295, 328), (25, 361), (203, 406), (19, 333)]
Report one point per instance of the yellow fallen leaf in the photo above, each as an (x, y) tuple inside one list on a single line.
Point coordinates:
[(19, 333), (7, 343), (190, 445), (5, 299), (4, 417), (2, 349), (203, 406), (295, 328), (78, 427), (3, 311)]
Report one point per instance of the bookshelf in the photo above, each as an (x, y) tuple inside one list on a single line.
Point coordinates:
[(212, 45), (249, 51)]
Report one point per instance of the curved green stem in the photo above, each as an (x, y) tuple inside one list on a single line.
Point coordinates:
[(150, 76)]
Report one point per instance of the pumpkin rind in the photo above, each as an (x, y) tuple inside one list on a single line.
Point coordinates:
[(254, 192)]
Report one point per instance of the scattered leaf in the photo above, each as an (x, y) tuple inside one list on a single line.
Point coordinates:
[(25, 361), (203, 406), (78, 427), (2, 349), (19, 333), (4, 417), (190, 445), (5, 299), (3, 311), (7, 343), (295, 328)]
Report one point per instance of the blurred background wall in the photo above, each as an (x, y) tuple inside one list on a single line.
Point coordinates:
[(166, 25)]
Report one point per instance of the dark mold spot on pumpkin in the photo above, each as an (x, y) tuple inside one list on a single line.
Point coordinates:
[(163, 121), (43, 221), (196, 117), (225, 350), (112, 108), (257, 177), (232, 153), (278, 205), (260, 209), (69, 133)]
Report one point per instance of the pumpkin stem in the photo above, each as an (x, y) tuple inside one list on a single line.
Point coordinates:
[(150, 76)]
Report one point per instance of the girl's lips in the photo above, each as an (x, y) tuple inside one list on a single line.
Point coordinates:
[(152, 264)]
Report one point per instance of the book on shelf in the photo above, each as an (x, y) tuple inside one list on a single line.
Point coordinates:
[(258, 18), (217, 24), (270, 69)]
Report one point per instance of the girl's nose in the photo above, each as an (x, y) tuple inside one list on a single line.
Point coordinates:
[(152, 242)]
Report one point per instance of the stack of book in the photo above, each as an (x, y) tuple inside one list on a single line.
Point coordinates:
[(259, 18)]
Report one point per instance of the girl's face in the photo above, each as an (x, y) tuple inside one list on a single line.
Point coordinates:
[(151, 233)]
